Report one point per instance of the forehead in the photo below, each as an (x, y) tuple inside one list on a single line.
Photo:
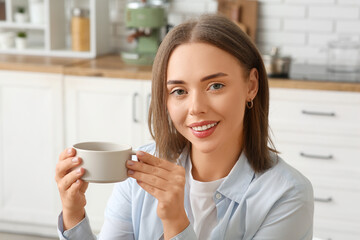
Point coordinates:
[(199, 59)]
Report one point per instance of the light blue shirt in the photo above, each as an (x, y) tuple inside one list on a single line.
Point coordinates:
[(276, 204)]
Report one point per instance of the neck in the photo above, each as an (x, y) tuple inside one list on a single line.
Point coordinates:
[(210, 166)]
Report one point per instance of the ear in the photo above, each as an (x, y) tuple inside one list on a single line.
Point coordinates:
[(253, 84)]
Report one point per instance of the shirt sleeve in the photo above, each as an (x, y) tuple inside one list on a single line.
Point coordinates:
[(187, 234), (291, 217), (118, 222), (82, 231)]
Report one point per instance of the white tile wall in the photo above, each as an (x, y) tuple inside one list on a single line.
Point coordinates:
[(301, 28)]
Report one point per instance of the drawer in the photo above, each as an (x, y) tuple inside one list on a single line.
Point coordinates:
[(318, 139), (315, 111), (331, 234), (338, 205), (338, 167), (315, 117)]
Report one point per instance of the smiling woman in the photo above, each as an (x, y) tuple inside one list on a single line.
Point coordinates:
[(211, 173)]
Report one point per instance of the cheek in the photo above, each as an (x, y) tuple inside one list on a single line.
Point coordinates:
[(177, 112), (231, 107)]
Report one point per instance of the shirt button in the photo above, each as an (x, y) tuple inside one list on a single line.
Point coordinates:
[(218, 196)]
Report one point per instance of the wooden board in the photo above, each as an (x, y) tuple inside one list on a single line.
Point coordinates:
[(243, 12)]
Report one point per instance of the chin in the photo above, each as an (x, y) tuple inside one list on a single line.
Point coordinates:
[(204, 147)]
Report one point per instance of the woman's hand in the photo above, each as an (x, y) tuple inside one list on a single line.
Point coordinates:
[(71, 187), (166, 182)]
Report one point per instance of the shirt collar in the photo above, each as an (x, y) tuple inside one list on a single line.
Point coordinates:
[(238, 180)]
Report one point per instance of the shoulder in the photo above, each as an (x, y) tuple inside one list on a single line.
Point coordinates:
[(283, 179)]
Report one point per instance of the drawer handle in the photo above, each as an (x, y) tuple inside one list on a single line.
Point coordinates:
[(326, 114), (325, 200), (328, 157), (134, 108)]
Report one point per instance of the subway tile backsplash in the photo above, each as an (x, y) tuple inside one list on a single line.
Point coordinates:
[(301, 28)]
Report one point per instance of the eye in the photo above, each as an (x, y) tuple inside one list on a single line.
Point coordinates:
[(178, 92), (216, 86)]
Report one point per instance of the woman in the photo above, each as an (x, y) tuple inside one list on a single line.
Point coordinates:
[(211, 174)]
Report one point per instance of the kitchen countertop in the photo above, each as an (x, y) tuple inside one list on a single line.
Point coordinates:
[(36, 63), (111, 66)]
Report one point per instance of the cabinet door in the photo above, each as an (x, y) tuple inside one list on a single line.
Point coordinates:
[(31, 139), (104, 109)]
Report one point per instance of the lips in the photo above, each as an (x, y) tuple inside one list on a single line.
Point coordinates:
[(203, 129)]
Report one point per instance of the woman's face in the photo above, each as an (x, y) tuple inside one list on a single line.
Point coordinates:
[(207, 93)]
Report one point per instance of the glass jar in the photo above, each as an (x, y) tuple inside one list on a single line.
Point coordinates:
[(343, 55), (80, 30)]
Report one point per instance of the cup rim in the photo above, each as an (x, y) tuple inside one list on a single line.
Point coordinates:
[(121, 147)]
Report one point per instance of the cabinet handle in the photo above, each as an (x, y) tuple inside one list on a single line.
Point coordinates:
[(134, 107), (328, 157), (325, 200), (326, 114)]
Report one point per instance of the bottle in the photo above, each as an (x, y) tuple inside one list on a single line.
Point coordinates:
[(2, 10), (80, 30), (36, 10)]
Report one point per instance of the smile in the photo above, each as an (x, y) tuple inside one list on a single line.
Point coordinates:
[(204, 127)]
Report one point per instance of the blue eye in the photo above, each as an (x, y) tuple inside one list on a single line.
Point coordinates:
[(216, 86), (178, 92)]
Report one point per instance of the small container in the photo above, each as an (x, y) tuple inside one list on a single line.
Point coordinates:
[(277, 66), (343, 56), (21, 16), (36, 10), (7, 40), (2, 10), (80, 29)]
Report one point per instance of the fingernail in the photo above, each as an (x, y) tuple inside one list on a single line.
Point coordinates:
[(130, 163), (130, 172), (78, 171), (140, 153), (69, 151), (75, 160)]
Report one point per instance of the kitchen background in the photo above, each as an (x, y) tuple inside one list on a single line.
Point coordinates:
[(47, 104), (302, 28)]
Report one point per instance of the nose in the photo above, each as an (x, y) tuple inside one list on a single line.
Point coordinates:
[(198, 104)]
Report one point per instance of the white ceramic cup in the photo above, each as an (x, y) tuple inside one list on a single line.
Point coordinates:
[(104, 162)]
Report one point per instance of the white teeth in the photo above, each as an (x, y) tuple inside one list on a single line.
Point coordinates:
[(204, 127)]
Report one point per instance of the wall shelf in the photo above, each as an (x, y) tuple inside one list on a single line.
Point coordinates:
[(52, 37)]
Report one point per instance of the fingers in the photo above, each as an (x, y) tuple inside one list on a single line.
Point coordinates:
[(154, 161), (147, 169), (151, 180), (64, 166), (156, 175), (77, 187), (69, 179), (69, 152)]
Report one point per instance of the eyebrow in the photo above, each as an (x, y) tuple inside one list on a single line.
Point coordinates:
[(211, 76)]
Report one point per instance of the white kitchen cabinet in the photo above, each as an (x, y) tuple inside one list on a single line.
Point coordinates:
[(52, 36), (318, 133), (31, 130), (105, 109)]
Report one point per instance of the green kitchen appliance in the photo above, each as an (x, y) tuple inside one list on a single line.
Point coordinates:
[(147, 19)]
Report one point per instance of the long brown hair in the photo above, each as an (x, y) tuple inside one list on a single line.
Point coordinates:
[(224, 34)]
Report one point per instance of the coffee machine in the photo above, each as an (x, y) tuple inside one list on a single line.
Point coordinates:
[(148, 20)]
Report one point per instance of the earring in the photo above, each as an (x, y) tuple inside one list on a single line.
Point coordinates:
[(250, 104)]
